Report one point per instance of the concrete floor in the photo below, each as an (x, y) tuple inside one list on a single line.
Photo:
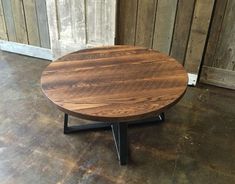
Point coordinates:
[(196, 144)]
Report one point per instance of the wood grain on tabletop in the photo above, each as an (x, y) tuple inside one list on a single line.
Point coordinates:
[(117, 83)]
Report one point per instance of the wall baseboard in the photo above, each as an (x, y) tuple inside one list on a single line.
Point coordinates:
[(217, 76), (24, 49)]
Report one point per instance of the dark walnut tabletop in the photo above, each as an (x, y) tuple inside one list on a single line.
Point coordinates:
[(117, 83)]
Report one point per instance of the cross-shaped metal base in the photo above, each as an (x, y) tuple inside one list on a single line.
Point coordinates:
[(119, 132)]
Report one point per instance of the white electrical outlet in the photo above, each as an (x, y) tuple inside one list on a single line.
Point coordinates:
[(192, 79)]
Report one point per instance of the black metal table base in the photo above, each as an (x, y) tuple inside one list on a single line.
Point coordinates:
[(119, 131)]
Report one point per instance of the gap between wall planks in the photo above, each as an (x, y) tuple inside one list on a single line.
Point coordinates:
[(24, 21), (173, 31)]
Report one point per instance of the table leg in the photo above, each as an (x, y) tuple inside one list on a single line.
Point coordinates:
[(119, 132), (120, 138), (147, 121), (86, 127), (66, 118)]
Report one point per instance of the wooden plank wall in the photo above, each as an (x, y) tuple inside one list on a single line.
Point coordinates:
[(24, 21), (176, 27), (79, 24), (219, 61)]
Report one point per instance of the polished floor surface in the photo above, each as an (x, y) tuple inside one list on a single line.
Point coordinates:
[(196, 143)]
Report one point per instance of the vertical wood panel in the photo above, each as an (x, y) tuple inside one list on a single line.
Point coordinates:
[(216, 25), (64, 14), (127, 21), (19, 21), (165, 18), (109, 25), (225, 52), (43, 29), (182, 29), (145, 22), (52, 12), (31, 22), (9, 20), (94, 14), (78, 21), (3, 31), (198, 34)]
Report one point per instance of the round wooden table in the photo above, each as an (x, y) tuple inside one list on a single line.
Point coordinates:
[(118, 85)]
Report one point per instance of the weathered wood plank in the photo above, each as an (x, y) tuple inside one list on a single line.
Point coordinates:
[(3, 31), (9, 20), (109, 25), (64, 17), (53, 26), (19, 21), (182, 29), (225, 52), (145, 22), (198, 34), (78, 21), (59, 27), (218, 77), (165, 18), (31, 22), (127, 21), (43, 23), (24, 49), (94, 20), (100, 22), (216, 25)]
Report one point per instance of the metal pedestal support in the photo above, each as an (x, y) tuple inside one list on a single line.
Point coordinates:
[(119, 132)]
